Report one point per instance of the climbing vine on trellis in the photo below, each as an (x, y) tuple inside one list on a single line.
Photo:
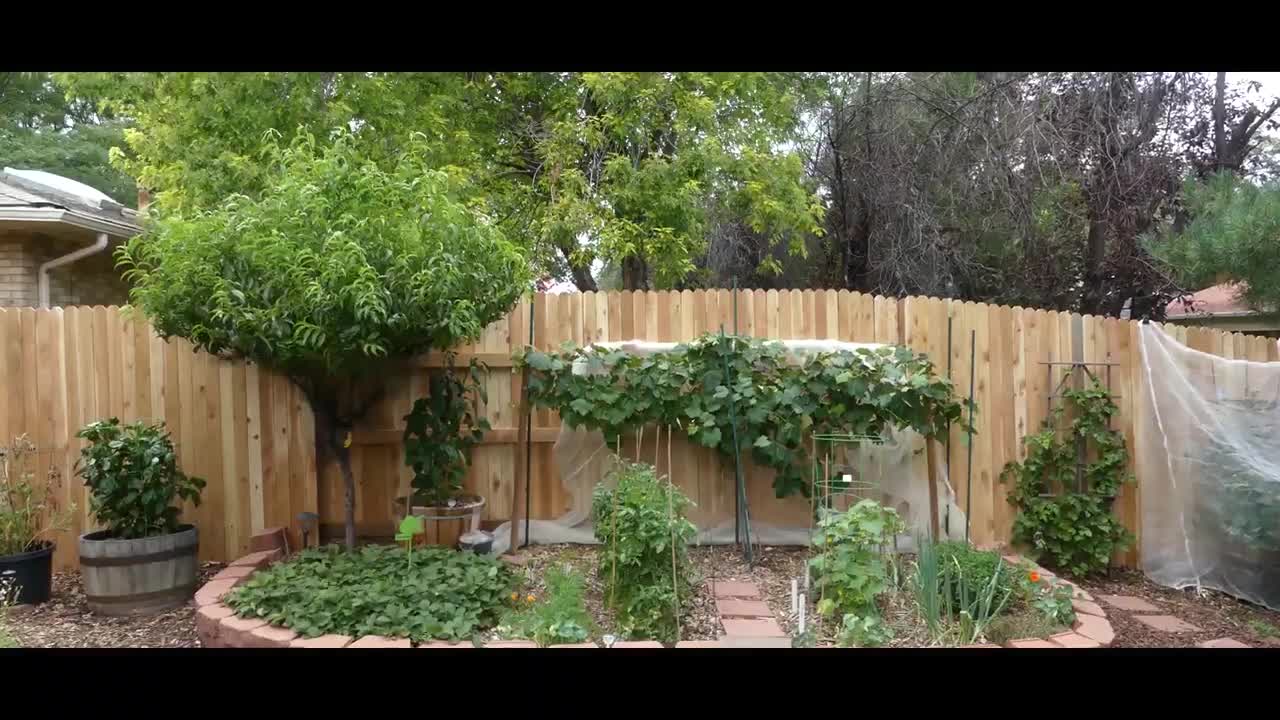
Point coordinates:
[(1069, 523), (777, 404)]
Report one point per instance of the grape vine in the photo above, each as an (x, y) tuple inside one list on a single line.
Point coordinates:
[(778, 404)]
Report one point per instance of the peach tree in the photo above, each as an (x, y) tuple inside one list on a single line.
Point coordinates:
[(335, 273)]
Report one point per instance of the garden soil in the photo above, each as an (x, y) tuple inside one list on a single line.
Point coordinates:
[(65, 621), (1217, 614)]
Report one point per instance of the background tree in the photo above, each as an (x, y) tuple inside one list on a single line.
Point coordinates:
[(580, 167), (41, 129), (1234, 235), (337, 271)]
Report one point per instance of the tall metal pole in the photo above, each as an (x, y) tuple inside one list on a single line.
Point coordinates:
[(968, 484), (737, 508), (946, 523), (528, 442)]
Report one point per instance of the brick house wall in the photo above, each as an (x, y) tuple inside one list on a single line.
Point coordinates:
[(89, 281)]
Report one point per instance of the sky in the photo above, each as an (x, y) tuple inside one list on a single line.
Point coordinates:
[(1270, 80)]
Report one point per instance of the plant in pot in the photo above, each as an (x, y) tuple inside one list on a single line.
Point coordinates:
[(144, 560), (29, 516), (439, 434)]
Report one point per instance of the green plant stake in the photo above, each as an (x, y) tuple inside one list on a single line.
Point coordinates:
[(410, 527)]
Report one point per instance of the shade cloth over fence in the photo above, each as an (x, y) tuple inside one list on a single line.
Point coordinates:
[(1210, 449)]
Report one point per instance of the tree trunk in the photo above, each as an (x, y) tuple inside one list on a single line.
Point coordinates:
[(581, 273), (1219, 122), (331, 436), (1095, 256), (349, 498), (333, 431), (634, 273)]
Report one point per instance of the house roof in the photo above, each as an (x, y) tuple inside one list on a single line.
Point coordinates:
[(38, 196), (1222, 300)]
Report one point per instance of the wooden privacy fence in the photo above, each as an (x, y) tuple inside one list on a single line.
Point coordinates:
[(251, 435)]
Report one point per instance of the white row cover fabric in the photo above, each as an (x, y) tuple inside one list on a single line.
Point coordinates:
[(1210, 495)]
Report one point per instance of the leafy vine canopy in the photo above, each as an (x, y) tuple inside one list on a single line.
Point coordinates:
[(710, 385)]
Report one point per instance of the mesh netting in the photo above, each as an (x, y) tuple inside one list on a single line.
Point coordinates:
[(1210, 449), (896, 468)]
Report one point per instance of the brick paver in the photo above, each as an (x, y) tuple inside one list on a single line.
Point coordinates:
[(735, 589), (1222, 643), (1129, 602), (1166, 623), (735, 608)]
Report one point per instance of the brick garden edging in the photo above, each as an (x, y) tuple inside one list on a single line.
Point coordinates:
[(217, 625), (1090, 630), (745, 617)]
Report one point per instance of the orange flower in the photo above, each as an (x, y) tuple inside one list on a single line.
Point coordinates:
[(515, 596), (1034, 576), (530, 599)]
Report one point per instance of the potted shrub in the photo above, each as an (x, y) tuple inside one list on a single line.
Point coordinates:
[(29, 515), (144, 560), (439, 434)]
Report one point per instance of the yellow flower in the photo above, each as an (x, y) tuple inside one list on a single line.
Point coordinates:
[(530, 599), (515, 596)]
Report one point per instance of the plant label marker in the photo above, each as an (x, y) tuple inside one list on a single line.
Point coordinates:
[(795, 595), (802, 618)]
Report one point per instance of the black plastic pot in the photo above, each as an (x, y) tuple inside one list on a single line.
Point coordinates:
[(32, 574)]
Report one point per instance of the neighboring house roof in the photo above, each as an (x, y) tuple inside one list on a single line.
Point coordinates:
[(38, 196), (1219, 301)]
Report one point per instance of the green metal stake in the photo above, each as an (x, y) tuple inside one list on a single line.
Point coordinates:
[(968, 489), (743, 513)]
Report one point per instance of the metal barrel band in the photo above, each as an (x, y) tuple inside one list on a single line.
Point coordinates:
[(138, 559), (176, 592)]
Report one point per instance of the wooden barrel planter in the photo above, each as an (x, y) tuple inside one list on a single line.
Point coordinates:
[(139, 576), (445, 525)]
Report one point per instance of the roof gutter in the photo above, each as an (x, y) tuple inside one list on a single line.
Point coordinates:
[(43, 277), (122, 229)]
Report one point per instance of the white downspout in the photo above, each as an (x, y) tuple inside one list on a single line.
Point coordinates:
[(43, 277)]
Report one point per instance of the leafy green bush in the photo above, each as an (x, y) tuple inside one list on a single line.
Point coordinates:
[(864, 631), (1071, 528), (851, 566), (446, 594), (978, 567), (645, 563), (440, 432), (776, 404), (133, 478), (559, 617)]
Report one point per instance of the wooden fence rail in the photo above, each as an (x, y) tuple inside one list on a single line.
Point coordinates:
[(251, 435)]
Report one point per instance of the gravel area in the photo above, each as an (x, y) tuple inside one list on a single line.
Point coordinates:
[(1218, 615), (65, 621)]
